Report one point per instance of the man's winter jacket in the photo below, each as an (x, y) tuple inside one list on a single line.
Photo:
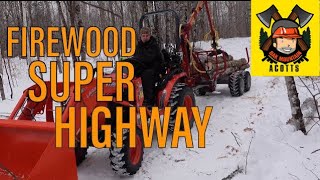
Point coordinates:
[(149, 54)]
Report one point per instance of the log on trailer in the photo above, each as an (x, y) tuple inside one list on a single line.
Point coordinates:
[(210, 65), (205, 58), (229, 64)]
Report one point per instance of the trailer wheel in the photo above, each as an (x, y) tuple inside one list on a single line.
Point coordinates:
[(126, 161), (80, 153), (181, 96), (200, 92), (236, 84), (247, 81)]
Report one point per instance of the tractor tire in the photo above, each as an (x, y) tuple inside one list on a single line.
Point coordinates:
[(126, 161), (80, 153), (247, 81), (181, 95), (236, 84)]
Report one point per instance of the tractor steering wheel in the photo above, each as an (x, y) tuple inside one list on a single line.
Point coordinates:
[(134, 60)]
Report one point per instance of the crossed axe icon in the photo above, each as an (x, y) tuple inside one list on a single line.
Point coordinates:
[(272, 12)]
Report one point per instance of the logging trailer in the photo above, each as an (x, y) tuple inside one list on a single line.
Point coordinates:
[(207, 68)]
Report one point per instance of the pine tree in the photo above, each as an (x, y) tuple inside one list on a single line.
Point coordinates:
[(263, 37), (307, 36)]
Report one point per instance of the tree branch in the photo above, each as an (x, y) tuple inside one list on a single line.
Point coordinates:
[(315, 102), (101, 8), (315, 151), (311, 172), (294, 176), (235, 139), (245, 169), (315, 122), (233, 174)]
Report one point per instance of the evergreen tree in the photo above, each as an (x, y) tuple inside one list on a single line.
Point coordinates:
[(263, 37), (306, 36)]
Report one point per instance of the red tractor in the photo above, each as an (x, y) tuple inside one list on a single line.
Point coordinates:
[(30, 151)]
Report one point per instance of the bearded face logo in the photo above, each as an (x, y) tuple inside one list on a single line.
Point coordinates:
[(285, 34)]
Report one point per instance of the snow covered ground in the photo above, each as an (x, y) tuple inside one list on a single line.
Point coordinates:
[(259, 117)]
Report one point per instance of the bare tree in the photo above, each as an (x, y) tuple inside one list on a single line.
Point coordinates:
[(3, 97), (310, 106), (297, 116), (230, 18), (25, 23), (8, 78)]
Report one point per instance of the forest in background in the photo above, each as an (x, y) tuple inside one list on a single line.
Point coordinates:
[(231, 18)]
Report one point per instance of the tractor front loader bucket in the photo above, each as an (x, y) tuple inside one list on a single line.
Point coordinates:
[(28, 152)]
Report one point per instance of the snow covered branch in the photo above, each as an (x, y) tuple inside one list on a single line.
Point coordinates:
[(315, 151), (233, 174), (235, 139), (311, 172), (245, 169)]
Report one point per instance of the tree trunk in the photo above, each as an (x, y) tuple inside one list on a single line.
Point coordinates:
[(19, 22), (103, 22), (113, 22), (102, 14), (25, 23), (3, 97), (59, 63), (30, 24), (10, 72), (167, 37), (1, 78), (78, 25), (297, 116), (8, 78), (72, 15), (50, 15), (122, 13), (145, 10), (156, 24), (63, 22)]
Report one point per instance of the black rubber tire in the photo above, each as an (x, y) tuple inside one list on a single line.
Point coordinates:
[(247, 81), (236, 84), (202, 91), (120, 157), (178, 93), (80, 153)]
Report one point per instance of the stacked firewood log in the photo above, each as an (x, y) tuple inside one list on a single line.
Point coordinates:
[(212, 64)]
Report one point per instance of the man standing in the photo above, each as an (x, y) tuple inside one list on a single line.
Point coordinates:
[(150, 64)]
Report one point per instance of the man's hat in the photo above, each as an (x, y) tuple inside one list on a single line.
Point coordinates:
[(145, 30), (285, 28)]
